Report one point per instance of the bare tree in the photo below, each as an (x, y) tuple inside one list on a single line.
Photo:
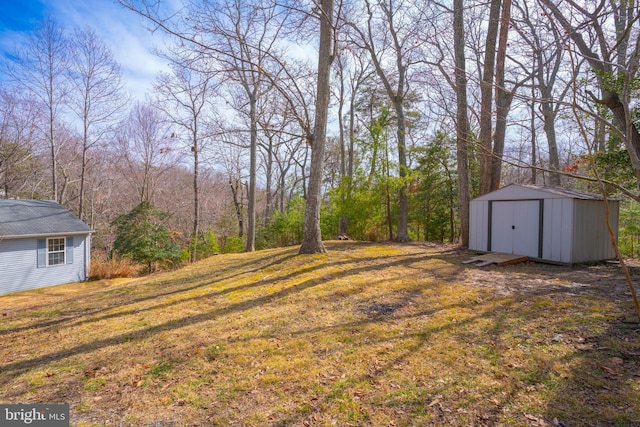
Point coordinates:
[(243, 36), (97, 98), (184, 96), (311, 234), (19, 164), (503, 97), (486, 90), (40, 68), (279, 142), (606, 35), (230, 154), (389, 34), (145, 145), (352, 70), (462, 120)]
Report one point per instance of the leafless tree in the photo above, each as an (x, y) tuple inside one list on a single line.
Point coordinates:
[(147, 151), (279, 142), (462, 120), (352, 69), (311, 234), (607, 35), (97, 97), (20, 166), (390, 35), (184, 97), (40, 68)]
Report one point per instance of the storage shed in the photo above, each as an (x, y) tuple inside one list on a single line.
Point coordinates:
[(544, 223), (41, 244)]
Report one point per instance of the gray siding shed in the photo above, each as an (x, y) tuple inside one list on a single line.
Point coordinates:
[(545, 223), (41, 244)]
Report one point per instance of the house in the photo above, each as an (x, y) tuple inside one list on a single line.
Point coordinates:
[(544, 223), (41, 244)]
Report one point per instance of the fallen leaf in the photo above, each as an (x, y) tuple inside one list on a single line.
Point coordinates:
[(537, 421), (617, 361), (609, 370)]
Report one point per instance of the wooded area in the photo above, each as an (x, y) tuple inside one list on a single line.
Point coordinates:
[(380, 119)]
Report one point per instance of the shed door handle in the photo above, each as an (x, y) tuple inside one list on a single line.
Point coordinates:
[(513, 227)]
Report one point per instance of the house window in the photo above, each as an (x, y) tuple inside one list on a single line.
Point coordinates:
[(55, 251)]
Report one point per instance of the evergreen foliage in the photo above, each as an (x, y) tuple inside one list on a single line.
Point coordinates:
[(434, 190), (142, 236)]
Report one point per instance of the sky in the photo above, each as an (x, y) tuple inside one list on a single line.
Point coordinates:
[(122, 30)]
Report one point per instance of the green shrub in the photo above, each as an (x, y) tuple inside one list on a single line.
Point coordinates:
[(142, 237)]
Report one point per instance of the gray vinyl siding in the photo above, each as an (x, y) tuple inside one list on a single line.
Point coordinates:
[(19, 265)]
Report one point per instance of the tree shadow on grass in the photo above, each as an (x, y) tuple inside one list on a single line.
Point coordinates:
[(12, 369), (596, 379), (587, 380), (524, 321), (603, 386), (83, 306)]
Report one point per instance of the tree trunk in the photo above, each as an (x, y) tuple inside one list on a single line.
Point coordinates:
[(234, 191), (486, 105), (387, 173), (54, 159), (251, 205), (403, 199), (342, 222), (268, 182), (462, 122), (83, 173), (196, 197), (311, 235), (532, 125), (602, 68), (503, 99), (550, 131)]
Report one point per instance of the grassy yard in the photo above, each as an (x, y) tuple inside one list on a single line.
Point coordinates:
[(370, 334)]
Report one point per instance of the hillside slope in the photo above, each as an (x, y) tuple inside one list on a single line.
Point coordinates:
[(370, 334)]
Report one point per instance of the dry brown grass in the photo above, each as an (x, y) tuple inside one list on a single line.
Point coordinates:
[(112, 268), (370, 334)]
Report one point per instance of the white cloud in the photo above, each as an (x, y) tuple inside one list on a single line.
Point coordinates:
[(125, 32), (121, 29)]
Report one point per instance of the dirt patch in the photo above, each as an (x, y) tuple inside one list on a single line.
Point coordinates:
[(605, 279)]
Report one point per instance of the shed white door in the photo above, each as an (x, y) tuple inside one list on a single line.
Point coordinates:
[(515, 227)]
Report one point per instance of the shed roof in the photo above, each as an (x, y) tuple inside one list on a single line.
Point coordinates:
[(538, 191), (29, 218)]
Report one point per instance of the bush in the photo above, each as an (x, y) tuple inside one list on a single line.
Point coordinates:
[(629, 232), (142, 236), (285, 229), (232, 245)]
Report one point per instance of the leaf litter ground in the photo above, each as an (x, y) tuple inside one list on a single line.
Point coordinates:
[(370, 334)]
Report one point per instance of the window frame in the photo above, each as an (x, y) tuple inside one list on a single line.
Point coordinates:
[(62, 249)]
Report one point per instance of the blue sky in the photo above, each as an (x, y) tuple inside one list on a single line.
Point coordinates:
[(121, 29), (20, 15)]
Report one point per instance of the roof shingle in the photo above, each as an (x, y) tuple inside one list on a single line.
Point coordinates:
[(37, 218)]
